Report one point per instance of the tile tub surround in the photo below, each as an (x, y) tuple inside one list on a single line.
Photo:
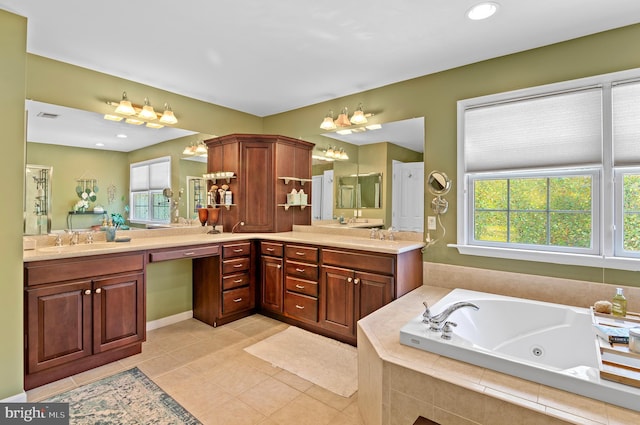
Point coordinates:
[(399, 383)]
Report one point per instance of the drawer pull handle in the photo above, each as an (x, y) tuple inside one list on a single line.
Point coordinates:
[(98, 290), (238, 250), (189, 253), (237, 281), (271, 249), (356, 280), (299, 307), (300, 270), (87, 291), (349, 280), (237, 300), (300, 253), (237, 265), (299, 286)]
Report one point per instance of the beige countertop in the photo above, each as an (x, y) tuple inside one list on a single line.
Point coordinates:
[(188, 236)]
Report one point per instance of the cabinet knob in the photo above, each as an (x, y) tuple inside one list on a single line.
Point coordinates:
[(98, 290), (87, 291), (356, 281), (279, 266), (349, 279)]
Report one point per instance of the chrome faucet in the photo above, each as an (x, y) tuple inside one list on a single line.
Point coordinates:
[(73, 239), (438, 321)]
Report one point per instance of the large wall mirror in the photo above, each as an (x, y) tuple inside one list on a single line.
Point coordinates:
[(83, 146), (380, 177)]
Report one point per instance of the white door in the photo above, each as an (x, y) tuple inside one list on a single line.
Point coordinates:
[(316, 197), (327, 195), (408, 196)]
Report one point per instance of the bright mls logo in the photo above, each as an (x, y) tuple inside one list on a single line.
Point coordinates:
[(34, 413)]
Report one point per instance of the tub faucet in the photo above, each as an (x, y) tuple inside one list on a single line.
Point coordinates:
[(437, 322)]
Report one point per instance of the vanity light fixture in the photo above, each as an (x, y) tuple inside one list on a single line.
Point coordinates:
[(335, 153), (138, 115), (482, 11), (343, 120), (199, 149)]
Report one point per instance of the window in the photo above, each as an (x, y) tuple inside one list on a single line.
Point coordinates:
[(146, 182), (552, 173)]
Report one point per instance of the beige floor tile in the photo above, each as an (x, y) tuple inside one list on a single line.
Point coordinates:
[(293, 380), (329, 398), (234, 412), (257, 363), (305, 410), (269, 396), (98, 373), (236, 377), (159, 365), (48, 390)]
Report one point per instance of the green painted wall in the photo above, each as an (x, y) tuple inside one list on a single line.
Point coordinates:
[(434, 97), (13, 42)]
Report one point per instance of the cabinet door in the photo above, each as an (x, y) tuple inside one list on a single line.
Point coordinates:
[(272, 278), (337, 300), (374, 291), (257, 202), (118, 311), (58, 324)]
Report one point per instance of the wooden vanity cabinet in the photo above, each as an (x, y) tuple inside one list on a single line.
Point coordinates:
[(81, 313), (354, 284), (223, 286), (271, 276), (301, 283)]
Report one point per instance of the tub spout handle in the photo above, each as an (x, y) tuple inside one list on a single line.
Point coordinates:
[(447, 330), (436, 322), (426, 316)]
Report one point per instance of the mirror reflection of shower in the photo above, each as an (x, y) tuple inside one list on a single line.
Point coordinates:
[(37, 202)]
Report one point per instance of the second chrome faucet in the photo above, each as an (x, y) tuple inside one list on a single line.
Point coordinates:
[(437, 323)]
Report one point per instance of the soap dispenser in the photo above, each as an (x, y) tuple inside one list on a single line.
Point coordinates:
[(619, 304)]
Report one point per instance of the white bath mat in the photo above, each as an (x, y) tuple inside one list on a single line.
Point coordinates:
[(325, 362)]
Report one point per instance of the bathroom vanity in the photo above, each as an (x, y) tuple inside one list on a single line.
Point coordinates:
[(85, 305)]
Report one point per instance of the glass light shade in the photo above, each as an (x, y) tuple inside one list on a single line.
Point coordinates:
[(358, 117), (188, 150), (330, 153), (343, 119), (201, 149), (125, 108), (147, 113), (328, 124), (168, 117), (154, 125), (342, 155)]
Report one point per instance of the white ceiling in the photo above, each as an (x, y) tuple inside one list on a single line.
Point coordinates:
[(265, 57)]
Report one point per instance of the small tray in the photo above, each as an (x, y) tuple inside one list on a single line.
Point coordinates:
[(617, 362)]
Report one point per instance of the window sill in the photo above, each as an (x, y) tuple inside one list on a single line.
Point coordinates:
[(632, 264)]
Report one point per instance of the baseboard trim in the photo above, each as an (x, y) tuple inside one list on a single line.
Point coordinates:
[(169, 320), (18, 398)]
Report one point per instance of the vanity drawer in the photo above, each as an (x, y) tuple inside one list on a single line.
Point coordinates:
[(300, 307), (236, 300), (302, 270), (300, 286), (305, 253), (235, 281), (184, 252), (271, 248), (359, 261), (236, 250), (236, 265)]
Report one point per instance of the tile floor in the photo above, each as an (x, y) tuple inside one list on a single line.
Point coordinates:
[(207, 371)]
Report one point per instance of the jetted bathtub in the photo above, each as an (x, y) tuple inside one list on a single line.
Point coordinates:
[(551, 344)]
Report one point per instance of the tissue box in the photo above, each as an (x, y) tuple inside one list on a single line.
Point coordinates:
[(293, 198)]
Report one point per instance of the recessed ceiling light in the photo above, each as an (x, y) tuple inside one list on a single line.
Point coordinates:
[(482, 11), (121, 136)]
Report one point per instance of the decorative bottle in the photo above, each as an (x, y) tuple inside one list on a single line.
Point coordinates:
[(619, 304)]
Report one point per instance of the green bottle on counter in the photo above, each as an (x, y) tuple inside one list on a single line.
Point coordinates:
[(619, 304)]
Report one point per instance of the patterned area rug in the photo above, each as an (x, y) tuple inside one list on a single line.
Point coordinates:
[(128, 397), (325, 362)]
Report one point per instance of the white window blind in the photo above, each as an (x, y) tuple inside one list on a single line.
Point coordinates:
[(558, 129), (150, 175), (626, 123)]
